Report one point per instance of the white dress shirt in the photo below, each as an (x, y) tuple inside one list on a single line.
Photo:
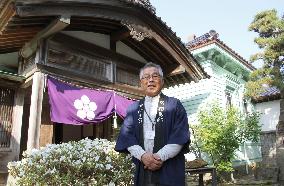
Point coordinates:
[(169, 150)]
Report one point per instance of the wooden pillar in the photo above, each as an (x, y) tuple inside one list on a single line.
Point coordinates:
[(17, 122), (35, 111)]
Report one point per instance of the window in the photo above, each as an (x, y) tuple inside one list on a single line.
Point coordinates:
[(6, 109), (228, 99)]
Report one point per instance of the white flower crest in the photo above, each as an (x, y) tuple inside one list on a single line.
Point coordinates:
[(85, 108)]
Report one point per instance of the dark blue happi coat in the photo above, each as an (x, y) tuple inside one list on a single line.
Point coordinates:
[(171, 128)]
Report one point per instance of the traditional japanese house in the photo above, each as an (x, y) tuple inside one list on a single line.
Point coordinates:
[(97, 44)]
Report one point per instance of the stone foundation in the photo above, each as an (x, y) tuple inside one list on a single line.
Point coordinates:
[(267, 169)]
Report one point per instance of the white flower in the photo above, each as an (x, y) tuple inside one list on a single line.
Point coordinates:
[(111, 184), (108, 166), (96, 156), (85, 108)]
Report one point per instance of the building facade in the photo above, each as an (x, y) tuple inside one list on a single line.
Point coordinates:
[(268, 105), (98, 44), (228, 73)]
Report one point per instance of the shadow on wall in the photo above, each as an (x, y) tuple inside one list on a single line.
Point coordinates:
[(193, 104)]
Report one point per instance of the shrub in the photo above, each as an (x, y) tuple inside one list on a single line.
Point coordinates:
[(222, 131), (86, 162)]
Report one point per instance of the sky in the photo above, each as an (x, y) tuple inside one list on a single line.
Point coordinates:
[(229, 18)]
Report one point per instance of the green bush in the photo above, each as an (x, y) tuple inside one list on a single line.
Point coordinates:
[(220, 133), (86, 162)]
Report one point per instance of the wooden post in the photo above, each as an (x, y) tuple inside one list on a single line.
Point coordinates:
[(35, 111), (17, 122)]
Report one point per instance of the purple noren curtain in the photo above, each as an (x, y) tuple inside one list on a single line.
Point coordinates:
[(78, 106)]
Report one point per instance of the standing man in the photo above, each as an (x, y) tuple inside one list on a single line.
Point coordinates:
[(155, 132)]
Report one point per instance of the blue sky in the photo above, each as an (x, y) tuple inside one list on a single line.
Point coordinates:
[(230, 18)]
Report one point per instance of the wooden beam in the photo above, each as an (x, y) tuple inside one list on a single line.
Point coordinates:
[(16, 37), (185, 76), (9, 50), (54, 27), (11, 77), (166, 60), (185, 61), (119, 58), (11, 45), (141, 51), (6, 15), (120, 35), (112, 45), (21, 31), (13, 41)]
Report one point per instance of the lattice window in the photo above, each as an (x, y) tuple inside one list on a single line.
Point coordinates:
[(6, 109)]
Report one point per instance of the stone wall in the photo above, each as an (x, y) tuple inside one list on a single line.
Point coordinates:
[(267, 169)]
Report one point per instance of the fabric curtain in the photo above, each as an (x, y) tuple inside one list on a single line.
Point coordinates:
[(78, 106)]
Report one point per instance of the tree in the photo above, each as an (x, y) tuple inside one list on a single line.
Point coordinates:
[(270, 29), (220, 133)]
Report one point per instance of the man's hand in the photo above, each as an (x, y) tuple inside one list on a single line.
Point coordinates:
[(151, 161)]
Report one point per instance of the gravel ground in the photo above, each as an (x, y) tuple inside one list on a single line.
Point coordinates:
[(244, 181)]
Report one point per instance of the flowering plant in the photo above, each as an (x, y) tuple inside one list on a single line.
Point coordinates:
[(86, 162)]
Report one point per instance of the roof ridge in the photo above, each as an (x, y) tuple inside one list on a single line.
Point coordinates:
[(213, 36)]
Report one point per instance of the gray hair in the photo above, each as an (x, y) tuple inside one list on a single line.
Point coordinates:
[(149, 65)]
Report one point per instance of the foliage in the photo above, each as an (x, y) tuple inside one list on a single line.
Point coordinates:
[(86, 162), (222, 131), (270, 29)]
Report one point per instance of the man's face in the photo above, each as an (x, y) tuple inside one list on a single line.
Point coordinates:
[(151, 81)]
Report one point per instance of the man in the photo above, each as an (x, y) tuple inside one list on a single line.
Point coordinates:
[(155, 132)]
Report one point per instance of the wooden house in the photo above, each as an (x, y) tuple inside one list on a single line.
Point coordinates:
[(91, 43)]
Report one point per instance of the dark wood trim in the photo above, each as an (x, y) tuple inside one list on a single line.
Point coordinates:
[(21, 31), (140, 50), (8, 83), (120, 35), (82, 131), (11, 49), (15, 38), (111, 9), (90, 48), (119, 11), (54, 27), (12, 41), (58, 132), (127, 90), (112, 45), (6, 15), (114, 12)]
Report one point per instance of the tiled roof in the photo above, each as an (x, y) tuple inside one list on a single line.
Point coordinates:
[(270, 94), (213, 37)]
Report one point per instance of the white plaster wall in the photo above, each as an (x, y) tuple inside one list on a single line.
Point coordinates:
[(103, 40), (194, 96), (127, 51), (269, 114), (9, 59)]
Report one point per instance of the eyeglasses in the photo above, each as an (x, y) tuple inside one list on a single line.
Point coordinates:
[(153, 76)]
